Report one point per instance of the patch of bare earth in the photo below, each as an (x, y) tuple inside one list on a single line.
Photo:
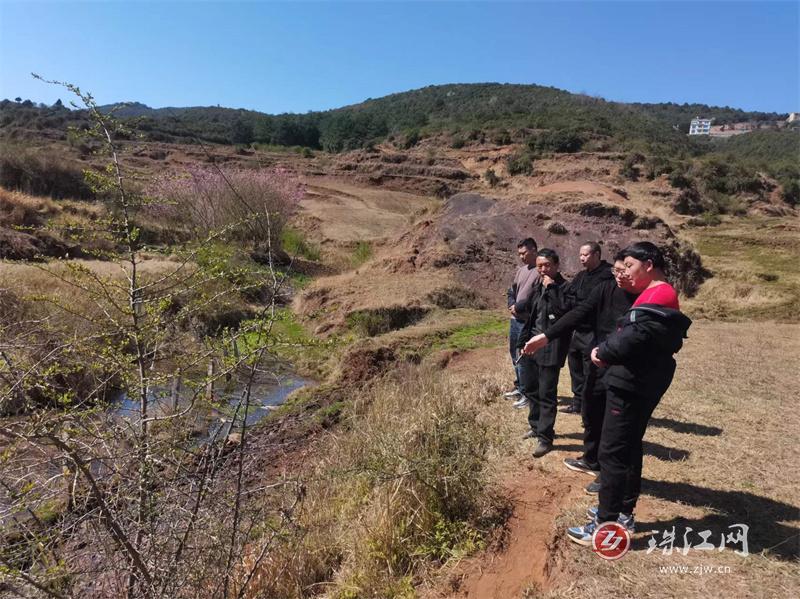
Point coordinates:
[(342, 212)]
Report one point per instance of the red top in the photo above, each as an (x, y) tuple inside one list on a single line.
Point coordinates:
[(663, 295)]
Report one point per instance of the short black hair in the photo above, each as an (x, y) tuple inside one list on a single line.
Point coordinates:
[(528, 242), (549, 254), (593, 246), (619, 256), (644, 251)]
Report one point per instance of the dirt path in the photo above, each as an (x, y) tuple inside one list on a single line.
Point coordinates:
[(586, 187), (531, 555), (531, 551)]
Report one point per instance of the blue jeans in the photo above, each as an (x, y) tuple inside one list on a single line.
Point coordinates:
[(514, 329)]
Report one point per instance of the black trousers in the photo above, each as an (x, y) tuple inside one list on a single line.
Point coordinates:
[(579, 363), (540, 385), (593, 411), (624, 424)]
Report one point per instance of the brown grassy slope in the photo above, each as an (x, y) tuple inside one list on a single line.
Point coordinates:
[(32, 226), (754, 266)]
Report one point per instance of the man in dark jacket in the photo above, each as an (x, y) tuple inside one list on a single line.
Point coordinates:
[(608, 301), (538, 375), (595, 271)]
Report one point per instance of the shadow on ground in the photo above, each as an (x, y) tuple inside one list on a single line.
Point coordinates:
[(765, 517), (686, 427), (656, 450)]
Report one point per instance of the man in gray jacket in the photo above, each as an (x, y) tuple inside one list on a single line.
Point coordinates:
[(519, 295)]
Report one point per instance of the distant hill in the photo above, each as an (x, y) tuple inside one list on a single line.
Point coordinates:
[(453, 108), (456, 108), (543, 118)]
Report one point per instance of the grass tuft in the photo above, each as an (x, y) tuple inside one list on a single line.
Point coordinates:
[(401, 487), (295, 244), (361, 253)]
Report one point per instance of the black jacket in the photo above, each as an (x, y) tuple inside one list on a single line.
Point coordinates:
[(578, 291), (640, 352), (601, 311), (547, 305)]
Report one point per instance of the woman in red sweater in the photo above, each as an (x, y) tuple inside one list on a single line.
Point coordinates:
[(639, 357)]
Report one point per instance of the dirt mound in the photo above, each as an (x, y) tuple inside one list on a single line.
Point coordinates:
[(476, 237), (21, 245), (361, 365)]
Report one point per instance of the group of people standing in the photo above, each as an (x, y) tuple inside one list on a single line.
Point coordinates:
[(618, 326)]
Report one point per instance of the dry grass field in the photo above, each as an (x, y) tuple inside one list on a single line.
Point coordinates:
[(756, 274)]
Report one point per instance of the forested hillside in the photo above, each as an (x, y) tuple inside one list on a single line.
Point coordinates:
[(537, 120), (457, 109)]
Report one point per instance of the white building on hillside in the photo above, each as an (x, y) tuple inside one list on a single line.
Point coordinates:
[(700, 126)]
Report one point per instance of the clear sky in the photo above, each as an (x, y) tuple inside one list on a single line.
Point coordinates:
[(300, 56)]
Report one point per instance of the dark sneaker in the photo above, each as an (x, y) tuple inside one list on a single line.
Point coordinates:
[(626, 520), (580, 465), (542, 448), (529, 435), (515, 394), (522, 402), (582, 535), (593, 488), (571, 409)]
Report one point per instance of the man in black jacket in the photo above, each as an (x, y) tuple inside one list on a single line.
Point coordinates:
[(609, 300), (596, 271), (538, 374)]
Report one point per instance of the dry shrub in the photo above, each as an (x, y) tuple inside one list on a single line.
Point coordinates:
[(254, 204), (20, 210), (403, 488), (41, 172)]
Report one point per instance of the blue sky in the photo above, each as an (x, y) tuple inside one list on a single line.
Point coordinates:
[(300, 56)]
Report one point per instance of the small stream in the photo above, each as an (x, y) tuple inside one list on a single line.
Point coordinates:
[(266, 394), (206, 421)]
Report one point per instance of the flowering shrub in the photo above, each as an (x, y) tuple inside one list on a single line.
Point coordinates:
[(253, 205)]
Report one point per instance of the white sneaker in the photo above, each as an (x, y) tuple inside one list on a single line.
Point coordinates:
[(520, 403), (512, 394)]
